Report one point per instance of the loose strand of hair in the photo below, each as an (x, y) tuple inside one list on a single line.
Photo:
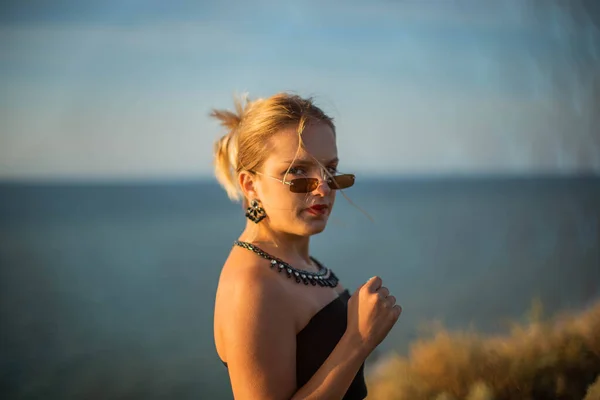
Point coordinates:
[(329, 174)]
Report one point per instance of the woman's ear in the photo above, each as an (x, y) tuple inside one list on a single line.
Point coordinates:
[(246, 181)]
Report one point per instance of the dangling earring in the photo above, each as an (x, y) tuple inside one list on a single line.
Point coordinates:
[(255, 212)]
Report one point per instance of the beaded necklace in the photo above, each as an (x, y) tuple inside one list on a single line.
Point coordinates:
[(324, 277)]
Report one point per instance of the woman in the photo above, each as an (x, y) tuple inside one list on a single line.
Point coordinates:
[(284, 326)]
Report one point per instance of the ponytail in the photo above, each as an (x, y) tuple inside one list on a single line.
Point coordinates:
[(226, 150)]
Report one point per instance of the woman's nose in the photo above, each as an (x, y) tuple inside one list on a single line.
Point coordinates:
[(323, 187)]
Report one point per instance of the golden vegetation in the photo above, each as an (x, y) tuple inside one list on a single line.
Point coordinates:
[(555, 359)]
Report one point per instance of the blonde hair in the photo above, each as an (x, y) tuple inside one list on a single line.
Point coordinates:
[(246, 144)]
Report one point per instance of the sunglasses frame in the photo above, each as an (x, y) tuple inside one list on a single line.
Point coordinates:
[(327, 179)]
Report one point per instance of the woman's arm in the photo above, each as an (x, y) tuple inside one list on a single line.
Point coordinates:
[(372, 312), (260, 339), (333, 378)]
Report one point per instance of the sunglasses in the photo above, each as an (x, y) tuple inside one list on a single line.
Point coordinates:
[(307, 185)]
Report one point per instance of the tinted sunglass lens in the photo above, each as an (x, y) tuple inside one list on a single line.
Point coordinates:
[(296, 185), (341, 181), (303, 185), (307, 185)]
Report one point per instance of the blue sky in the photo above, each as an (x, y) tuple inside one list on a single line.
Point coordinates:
[(122, 89)]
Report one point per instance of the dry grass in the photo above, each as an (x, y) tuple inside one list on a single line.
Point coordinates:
[(556, 359)]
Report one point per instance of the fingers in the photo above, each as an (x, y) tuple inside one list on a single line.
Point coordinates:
[(384, 292), (373, 284), (397, 310), (385, 296), (390, 300)]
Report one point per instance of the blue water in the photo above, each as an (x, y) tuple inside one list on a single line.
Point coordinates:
[(107, 290)]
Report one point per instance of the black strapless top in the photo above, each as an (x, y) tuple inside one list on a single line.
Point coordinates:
[(316, 341)]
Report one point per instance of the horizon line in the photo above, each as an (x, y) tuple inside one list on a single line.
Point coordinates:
[(372, 177)]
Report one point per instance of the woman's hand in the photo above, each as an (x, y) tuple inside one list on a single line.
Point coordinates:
[(372, 312)]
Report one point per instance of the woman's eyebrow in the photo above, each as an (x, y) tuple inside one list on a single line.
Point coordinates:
[(308, 161)]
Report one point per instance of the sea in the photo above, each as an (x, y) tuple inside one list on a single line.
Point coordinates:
[(107, 289)]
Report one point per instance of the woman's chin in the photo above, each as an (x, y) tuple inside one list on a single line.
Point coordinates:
[(315, 226)]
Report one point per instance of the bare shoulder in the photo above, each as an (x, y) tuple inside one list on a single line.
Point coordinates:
[(255, 330), (247, 283)]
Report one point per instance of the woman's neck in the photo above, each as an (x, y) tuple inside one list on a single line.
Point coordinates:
[(280, 244)]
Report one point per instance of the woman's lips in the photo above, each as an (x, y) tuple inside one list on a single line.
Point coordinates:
[(318, 209)]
